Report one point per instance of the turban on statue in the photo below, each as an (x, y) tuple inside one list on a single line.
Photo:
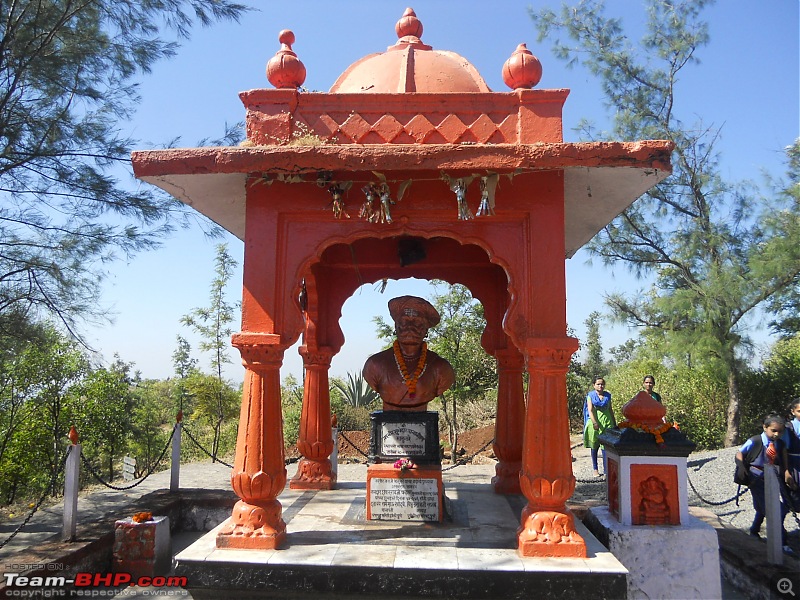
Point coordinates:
[(414, 306)]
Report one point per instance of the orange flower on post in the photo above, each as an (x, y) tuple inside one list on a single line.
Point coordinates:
[(142, 517)]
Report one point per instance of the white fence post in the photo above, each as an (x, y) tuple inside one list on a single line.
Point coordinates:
[(71, 478), (128, 468), (772, 499), (335, 452), (175, 471)]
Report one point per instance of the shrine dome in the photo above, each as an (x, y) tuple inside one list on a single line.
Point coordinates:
[(410, 66)]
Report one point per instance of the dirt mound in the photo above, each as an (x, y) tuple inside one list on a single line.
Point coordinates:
[(476, 441)]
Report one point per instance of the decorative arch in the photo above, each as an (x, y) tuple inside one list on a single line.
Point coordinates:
[(286, 201)]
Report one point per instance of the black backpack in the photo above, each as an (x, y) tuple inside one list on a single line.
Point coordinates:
[(741, 475)]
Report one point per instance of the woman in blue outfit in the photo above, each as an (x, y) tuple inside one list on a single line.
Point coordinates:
[(598, 415)]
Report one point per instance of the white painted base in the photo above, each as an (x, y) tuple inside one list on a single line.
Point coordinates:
[(664, 562)]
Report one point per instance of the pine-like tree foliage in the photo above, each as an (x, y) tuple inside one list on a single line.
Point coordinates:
[(716, 250), (67, 80)]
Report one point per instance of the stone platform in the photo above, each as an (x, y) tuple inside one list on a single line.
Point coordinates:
[(333, 550)]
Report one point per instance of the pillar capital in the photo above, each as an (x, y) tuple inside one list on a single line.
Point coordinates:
[(259, 350), (320, 356), (550, 353), (509, 359)]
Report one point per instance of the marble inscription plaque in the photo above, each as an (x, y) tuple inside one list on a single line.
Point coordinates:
[(404, 499), (403, 439)]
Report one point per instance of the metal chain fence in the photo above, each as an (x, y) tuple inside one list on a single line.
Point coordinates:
[(202, 449), (38, 504), (150, 471)]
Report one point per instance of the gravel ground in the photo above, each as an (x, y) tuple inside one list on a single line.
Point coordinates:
[(711, 475)]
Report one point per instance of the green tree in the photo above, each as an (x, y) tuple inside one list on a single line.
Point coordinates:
[(151, 422), (215, 402), (578, 382), (35, 398), (715, 252), (785, 305), (184, 365), (292, 406), (68, 69), (770, 388), (100, 408), (20, 357), (594, 365), (213, 324)]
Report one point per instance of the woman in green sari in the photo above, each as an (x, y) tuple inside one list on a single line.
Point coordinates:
[(598, 415)]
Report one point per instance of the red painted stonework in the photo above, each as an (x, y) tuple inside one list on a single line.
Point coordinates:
[(523, 70), (642, 408), (135, 548), (612, 480), (304, 257), (654, 495)]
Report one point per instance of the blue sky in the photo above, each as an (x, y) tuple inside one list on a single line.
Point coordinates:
[(747, 82)]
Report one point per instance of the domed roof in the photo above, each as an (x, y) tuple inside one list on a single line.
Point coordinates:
[(410, 66)]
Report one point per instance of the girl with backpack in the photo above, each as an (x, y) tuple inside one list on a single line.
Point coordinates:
[(759, 451)]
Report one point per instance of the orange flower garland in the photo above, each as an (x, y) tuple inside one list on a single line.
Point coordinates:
[(656, 431), (411, 382)]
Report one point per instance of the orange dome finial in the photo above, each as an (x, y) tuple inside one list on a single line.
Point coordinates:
[(643, 409), (73, 435), (285, 70), (409, 25), (522, 70)]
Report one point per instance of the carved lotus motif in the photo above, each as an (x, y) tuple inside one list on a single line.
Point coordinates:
[(258, 486), (543, 492)]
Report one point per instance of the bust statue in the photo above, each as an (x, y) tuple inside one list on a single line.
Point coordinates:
[(407, 376)]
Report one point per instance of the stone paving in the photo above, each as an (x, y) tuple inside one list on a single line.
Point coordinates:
[(105, 504)]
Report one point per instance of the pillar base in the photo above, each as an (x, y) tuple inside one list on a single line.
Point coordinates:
[(313, 475), (506, 480), (549, 533), (253, 527)]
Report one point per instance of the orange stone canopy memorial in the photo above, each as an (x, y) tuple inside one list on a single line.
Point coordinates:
[(410, 166)]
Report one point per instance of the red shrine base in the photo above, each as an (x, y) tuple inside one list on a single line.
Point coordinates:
[(253, 527), (313, 475), (506, 479), (405, 495), (546, 533)]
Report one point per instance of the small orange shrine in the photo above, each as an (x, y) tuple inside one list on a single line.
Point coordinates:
[(410, 166)]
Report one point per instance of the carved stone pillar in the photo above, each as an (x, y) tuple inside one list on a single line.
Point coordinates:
[(315, 442), (547, 527), (259, 471), (510, 422)]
